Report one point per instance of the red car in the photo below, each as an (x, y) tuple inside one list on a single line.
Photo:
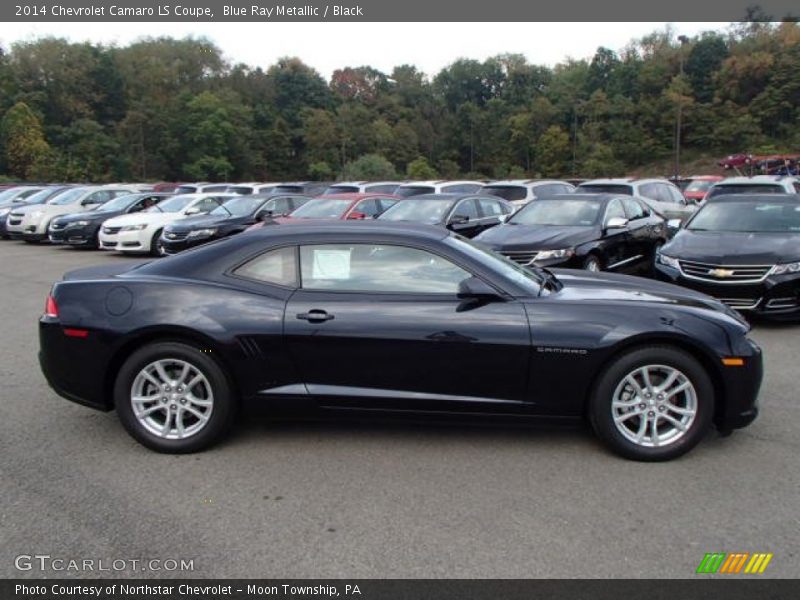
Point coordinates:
[(698, 186), (339, 206)]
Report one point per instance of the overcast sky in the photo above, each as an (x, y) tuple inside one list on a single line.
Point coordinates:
[(328, 46)]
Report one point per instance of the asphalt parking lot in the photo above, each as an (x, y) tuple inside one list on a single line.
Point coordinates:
[(351, 500)]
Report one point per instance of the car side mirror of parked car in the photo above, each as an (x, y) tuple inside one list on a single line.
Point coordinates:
[(265, 215), (503, 218), (616, 223), (356, 216), (458, 220), (473, 288), (674, 224)]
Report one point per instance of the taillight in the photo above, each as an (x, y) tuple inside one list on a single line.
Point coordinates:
[(50, 307)]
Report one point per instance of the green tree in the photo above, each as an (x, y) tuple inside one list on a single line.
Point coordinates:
[(23, 140), (370, 167), (420, 169), (552, 152)]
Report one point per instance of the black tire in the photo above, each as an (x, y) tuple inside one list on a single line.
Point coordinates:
[(601, 413), (223, 411), (155, 244), (590, 261)]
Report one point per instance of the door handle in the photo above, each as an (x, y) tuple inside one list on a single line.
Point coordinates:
[(315, 316)]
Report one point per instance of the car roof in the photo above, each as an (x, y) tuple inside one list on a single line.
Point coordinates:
[(603, 197), (356, 196), (530, 182), (449, 196), (757, 179), (435, 182)]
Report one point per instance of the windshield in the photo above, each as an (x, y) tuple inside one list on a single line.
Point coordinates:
[(414, 190), (698, 185), (419, 211), (341, 189), (506, 192), (722, 189), (579, 213), (605, 188), (39, 197), (760, 217), (68, 197), (174, 204), (8, 194), (524, 277), (119, 203), (322, 208), (240, 189), (238, 207), (186, 189)]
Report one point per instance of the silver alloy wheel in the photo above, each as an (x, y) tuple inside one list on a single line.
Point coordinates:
[(654, 405), (172, 399)]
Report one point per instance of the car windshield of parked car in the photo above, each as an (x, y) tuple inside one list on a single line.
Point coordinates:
[(341, 189), (37, 198), (237, 207), (172, 205), (506, 192), (605, 188), (414, 190), (11, 193), (118, 203), (578, 213), (186, 189), (698, 185), (418, 211), (722, 189), (759, 217), (68, 197), (524, 277), (322, 208)]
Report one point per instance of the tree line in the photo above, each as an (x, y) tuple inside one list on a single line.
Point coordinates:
[(174, 109)]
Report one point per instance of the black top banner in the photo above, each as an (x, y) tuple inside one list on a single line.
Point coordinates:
[(391, 10)]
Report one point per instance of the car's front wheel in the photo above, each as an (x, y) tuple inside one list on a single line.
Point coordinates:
[(653, 404), (172, 397)]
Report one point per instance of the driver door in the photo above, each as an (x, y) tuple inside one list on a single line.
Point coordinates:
[(381, 326)]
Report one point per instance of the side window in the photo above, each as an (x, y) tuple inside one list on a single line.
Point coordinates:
[(207, 204), (650, 190), (633, 209), (369, 207), (491, 208), (675, 195), (298, 202), (547, 190), (277, 267), (280, 206), (144, 203), (615, 211), (378, 268), (466, 208), (98, 197)]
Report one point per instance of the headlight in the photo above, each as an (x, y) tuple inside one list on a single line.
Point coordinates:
[(199, 233), (138, 227), (549, 254), (78, 224), (668, 260), (785, 268)]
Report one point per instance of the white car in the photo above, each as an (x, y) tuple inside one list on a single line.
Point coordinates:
[(758, 184), (661, 195), (521, 191), (416, 188), (140, 233), (31, 222)]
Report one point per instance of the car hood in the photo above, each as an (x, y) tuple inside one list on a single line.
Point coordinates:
[(731, 248), (156, 218), (586, 286), (536, 237), (203, 222), (89, 216)]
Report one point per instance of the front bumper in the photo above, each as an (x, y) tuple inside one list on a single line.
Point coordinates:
[(73, 236), (777, 297), (137, 242), (741, 385)]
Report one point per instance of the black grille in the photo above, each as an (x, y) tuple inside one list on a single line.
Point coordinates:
[(524, 257), (175, 235)]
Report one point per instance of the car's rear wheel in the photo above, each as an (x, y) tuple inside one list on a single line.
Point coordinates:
[(653, 404), (174, 398)]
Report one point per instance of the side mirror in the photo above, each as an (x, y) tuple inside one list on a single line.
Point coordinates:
[(356, 216), (617, 223), (674, 224), (505, 218), (193, 211), (477, 289), (456, 220), (265, 215)]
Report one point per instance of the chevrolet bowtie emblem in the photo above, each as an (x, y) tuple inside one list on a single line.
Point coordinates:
[(720, 273)]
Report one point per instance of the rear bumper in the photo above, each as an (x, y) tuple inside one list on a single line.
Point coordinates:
[(777, 297), (73, 367)]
